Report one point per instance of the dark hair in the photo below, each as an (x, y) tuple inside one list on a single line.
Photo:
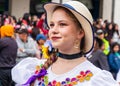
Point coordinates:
[(113, 45), (114, 30), (25, 31), (14, 18), (26, 17), (35, 32), (99, 42)]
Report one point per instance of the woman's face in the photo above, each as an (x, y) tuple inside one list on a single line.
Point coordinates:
[(116, 48), (63, 31), (110, 26)]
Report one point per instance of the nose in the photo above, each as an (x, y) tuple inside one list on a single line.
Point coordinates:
[(54, 29)]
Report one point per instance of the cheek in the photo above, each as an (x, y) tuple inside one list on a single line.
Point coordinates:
[(69, 36), (49, 33)]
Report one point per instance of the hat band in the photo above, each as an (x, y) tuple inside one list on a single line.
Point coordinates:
[(68, 6)]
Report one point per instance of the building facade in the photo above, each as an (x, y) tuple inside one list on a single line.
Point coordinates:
[(105, 9)]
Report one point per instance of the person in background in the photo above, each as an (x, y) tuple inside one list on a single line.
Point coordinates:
[(26, 20), (101, 35), (13, 21), (109, 32), (34, 33), (34, 20), (26, 45), (97, 57), (41, 24), (114, 59), (44, 45), (41, 39), (116, 34), (71, 35), (8, 54), (98, 24)]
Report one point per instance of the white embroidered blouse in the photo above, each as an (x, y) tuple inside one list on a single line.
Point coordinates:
[(26, 68)]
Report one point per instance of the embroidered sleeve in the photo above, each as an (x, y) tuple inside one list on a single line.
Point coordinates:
[(25, 69)]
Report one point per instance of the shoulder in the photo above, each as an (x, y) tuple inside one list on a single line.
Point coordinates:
[(99, 52), (30, 39), (4, 41), (25, 69), (111, 54), (103, 78)]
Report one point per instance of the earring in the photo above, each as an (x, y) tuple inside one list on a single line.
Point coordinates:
[(76, 44)]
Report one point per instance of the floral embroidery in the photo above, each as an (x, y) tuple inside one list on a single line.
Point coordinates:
[(38, 67), (81, 77), (40, 72), (41, 75)]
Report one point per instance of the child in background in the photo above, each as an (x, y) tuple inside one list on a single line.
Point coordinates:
[(44, 45)]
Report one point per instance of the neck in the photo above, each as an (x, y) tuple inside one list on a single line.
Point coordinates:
[(70, 56), (69, 51), (66, 65), (79, 60)]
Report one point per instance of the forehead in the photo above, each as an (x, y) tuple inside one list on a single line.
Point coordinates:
[(116, 45), (60, 13)]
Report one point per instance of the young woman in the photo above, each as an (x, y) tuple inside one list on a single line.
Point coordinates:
[(114, 59), (71, 34)]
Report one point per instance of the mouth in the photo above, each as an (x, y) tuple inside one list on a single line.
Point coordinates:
[(55, 38)]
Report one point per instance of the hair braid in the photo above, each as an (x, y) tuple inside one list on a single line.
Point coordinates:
[(51, 60)]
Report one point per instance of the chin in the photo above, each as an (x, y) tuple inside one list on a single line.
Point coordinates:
[(56, 45)]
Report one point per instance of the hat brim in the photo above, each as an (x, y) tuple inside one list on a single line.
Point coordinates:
[(86, 25)]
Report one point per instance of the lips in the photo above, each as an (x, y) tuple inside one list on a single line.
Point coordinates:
[(55, 38)]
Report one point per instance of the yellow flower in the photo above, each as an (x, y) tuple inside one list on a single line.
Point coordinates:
[(45, 52)]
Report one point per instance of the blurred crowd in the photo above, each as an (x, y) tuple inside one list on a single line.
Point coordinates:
[(19, 39), (106, 51), (30, 33), (31, 40)]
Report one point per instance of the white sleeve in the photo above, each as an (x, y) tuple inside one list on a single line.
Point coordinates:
[(118, 76), (103, 78), (25, 69)]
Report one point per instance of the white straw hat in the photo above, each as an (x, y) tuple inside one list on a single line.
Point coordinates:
[(83, 15)]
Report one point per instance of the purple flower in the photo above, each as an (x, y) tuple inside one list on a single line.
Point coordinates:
[(42, 72)]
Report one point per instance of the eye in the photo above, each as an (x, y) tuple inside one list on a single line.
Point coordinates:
[(51, 25), (63, 24)]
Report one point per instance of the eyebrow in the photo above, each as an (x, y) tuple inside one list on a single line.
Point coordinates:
[(58, 21)]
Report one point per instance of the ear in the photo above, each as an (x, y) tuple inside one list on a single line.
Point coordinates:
[(81, 34)]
